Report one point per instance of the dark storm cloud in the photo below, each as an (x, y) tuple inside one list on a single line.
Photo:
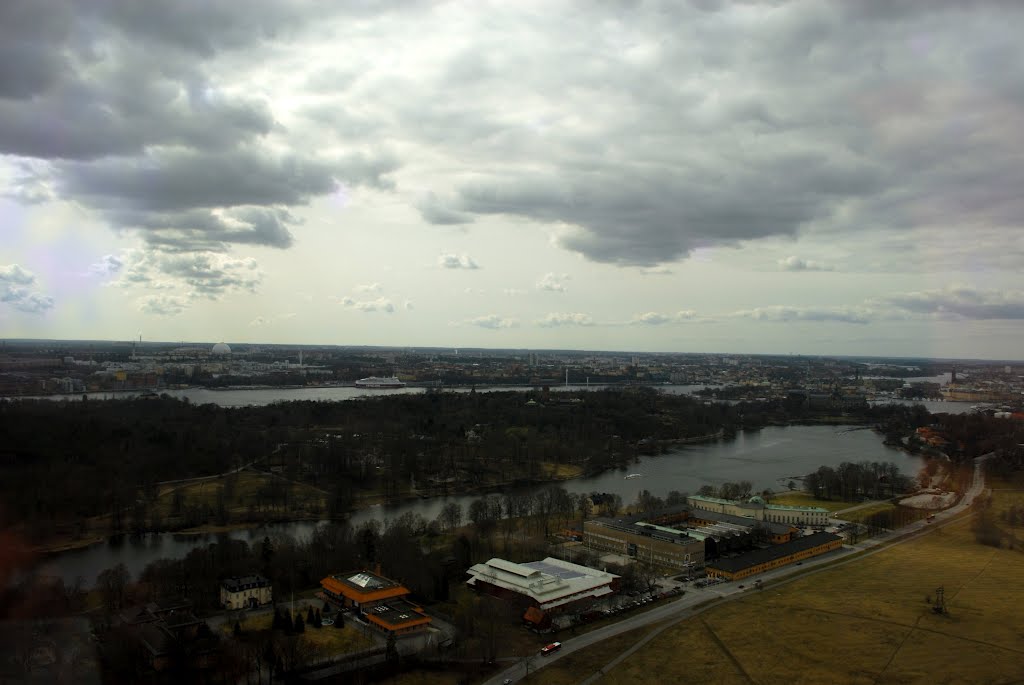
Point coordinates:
[(188, 199), (29, 30), (208, 230), (436, 212), (179, 180), (134, 110), (673, 128), (645, 214)]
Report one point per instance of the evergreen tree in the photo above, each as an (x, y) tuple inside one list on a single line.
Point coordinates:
[(318, 620), (309, 615), (238, 629), (300, 625)]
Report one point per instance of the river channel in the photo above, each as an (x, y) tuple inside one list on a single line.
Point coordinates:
[(768, 458)]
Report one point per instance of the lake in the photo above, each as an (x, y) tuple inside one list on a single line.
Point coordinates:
[(768, 458)]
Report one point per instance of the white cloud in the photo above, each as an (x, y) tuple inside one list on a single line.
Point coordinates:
[(456, 261), (381, 304), (16, 274), (962, 302), (782, 313), (493, 322), (210, 275), (553, 282), (368, 288), (657, 318), (556, 319), (260, 321), (164, 305), (108, 265), (13, 279), (513, 292), (794, 263)]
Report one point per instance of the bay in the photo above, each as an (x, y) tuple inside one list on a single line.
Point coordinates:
[(768, 458)]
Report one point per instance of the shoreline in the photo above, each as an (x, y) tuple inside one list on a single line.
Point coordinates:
[(65, 545)]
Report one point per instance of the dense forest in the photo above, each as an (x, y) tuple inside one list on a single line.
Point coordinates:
[(72, 460), (64, 462)]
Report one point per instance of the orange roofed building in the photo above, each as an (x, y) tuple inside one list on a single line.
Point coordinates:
[(381, 601)]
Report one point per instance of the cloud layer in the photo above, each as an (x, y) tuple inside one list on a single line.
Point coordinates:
[(15, 292)]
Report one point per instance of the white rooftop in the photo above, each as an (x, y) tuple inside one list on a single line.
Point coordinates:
[(551, 582)]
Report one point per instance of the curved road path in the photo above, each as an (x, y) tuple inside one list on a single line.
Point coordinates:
[(695, 601)]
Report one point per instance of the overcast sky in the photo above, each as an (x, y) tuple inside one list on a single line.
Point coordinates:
[(778, 177)]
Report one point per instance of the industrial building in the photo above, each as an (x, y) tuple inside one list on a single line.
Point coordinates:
[(381, 601), (551, 585), (647, 542), (682, 537), (761, 560)]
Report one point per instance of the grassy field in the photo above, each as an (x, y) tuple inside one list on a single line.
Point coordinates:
[(568, 670), (248, 485), (865, 622), (798, 498), (550, 469), (861, 515)]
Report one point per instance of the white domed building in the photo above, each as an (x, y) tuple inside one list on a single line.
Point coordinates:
[(221, 349)]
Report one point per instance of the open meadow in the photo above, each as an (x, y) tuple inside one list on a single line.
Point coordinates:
[(870, 621)]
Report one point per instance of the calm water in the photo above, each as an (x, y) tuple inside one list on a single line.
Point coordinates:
[(258, 397), (767, 458)]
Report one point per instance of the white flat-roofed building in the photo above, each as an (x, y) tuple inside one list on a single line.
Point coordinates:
[(551, 584)]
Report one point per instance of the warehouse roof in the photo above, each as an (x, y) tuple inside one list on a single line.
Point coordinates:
[(550, 582), (762, 556)]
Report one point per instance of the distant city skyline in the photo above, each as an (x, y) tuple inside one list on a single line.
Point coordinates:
[(816, 178)]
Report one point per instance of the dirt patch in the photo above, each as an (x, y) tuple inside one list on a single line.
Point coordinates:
[(930, 499)]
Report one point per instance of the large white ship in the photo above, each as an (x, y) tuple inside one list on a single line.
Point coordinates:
[(378, 382)]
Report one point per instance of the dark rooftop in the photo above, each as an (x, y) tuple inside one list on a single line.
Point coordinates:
[(774, 528), (761, 556), (237, 583), (396, 612)]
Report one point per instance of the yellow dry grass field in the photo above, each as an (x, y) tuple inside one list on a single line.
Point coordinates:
[(569, 670), (864, 622), (550, 469)]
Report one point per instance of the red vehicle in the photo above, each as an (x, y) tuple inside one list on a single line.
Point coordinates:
[(553, 647)]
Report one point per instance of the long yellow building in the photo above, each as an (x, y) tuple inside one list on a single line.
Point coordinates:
[(761, 560)]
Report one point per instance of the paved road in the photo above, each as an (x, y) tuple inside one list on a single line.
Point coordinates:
[(686, 607)]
